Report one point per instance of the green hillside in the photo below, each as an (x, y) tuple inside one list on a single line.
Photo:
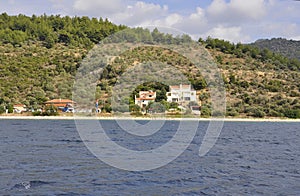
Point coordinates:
[(288, 48), (39, 56)]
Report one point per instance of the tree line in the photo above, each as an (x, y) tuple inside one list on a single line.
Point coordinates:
[(75, 31)]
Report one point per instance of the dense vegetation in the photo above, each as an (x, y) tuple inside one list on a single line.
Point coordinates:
[(39, 56), (259, 82), (288, 48), (49, 30)]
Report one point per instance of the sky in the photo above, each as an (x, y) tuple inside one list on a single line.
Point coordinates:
[(233, 20)]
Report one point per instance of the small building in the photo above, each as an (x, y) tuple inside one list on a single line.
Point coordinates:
[(62, 104), (196, 110), (19, 108), (181, 94), (145, 97)]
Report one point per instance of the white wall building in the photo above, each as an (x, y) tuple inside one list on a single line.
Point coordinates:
[(181, 94), (145, 97)]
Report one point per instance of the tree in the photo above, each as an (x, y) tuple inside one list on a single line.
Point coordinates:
[(50, 110), (2, 109)]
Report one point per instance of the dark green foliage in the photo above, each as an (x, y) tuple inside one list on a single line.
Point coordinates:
[(49, 110), (156, 107), (135, 110), (199, 84), (231, 111), (289, 48), (205, 111), (257, 51), (159, 88), (76, 31), (259, 82), (39, 55), (173, 105), (106, 108), (255, 112), (37, 113), (10, 108), (290, 113), (2, 109)]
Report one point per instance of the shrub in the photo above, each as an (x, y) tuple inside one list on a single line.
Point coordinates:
[(255, 112), (50, 110), (2, 109), (290, 113), (231, 112), (205, 111), (10, 108), (37, 113)]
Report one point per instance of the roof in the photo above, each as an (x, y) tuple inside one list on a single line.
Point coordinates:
[(181, 87), (146, 95), (174, 87), (59, 101), (19, 105), (144, 98)]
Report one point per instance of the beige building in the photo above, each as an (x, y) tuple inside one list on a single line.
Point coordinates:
[(144, 98), (181, 94)]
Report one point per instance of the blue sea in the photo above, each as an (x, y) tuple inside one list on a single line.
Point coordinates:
[(48, 157)]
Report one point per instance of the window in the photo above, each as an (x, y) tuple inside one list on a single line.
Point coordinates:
[(174, 100)]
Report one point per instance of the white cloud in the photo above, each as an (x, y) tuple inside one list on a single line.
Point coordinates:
[(287, 30), (140, 13), (254, 9), (234, 20), (217, 7), (233, 34), (236, 11), (194, 23), (98, 7), (173, 19)]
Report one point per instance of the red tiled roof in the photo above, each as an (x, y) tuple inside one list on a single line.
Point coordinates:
[(182, 86), (175, 87), (144, 98), (186, 86), (59, 101), (19, 105)]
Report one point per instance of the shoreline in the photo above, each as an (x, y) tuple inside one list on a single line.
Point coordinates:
[(145, 118)]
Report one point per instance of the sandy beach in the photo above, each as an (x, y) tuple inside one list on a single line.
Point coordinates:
[(19, 117)]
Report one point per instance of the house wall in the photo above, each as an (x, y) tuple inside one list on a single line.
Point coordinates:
[(182, 93), (145, 97)]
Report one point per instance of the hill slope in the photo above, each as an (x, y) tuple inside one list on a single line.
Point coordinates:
[(258, 82), (288, 48)]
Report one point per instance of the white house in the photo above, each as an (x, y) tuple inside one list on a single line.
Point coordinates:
[(181, 94), (19, 108), (145, 97)]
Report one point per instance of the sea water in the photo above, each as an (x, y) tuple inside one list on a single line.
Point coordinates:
[(48, 157)]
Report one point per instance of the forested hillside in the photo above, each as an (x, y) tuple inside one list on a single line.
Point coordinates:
[(259, 82), (39, 56), (49, 30), (288, 48)]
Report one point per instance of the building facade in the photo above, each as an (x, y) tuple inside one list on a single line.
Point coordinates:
[(65, 105), (181, 94), (144, 98)]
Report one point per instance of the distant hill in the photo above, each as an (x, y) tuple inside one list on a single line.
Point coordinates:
[(288, 48)]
